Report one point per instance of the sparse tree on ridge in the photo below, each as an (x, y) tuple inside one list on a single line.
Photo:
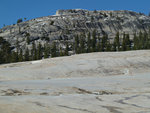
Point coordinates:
[(19, 20)]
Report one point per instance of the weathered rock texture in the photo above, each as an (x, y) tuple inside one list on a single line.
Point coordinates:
[(117, 82), (66, 23)]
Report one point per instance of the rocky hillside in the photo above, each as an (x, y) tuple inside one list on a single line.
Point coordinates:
[(67, 23)]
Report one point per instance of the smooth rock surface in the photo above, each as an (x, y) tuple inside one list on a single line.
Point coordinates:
[(86, 83)]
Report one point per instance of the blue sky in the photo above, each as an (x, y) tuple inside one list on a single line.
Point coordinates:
[(11, 10)]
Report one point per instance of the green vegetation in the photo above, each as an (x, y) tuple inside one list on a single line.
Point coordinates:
[(19, 20), (83, 43)]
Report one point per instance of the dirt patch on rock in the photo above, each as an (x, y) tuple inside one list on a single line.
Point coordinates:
[(13, 92)]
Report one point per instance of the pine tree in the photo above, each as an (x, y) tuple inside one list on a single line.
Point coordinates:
[(117, 41), (149, 33), (76, 44), (14, 57), (27, 55), (94, 38), (149, 39), (39, 51), (5, 50), (124, 48), (66, 49), (114, 47), (54, 50), (46, 50), (28, 38), (33, 52), (82, 43), (145, 40), (19, 20), (135, 42), (104, 42), (20, 56), (139, 40), (1, 57), (128, 42), (108, 46), (89, 43)]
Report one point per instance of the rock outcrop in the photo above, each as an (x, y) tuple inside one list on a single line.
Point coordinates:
[(66, 23)]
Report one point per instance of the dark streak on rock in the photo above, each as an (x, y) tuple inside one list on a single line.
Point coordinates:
[(128, 98), (81, 91), (112, 109), (99, 99), (39, 104), (79, 109)]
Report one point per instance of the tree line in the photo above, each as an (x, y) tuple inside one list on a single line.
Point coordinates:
[(96, 43), (83, 43), (37, 52)]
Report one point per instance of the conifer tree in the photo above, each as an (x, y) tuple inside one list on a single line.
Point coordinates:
[(98, 45), (27, 55), (128, 42), (145, 40), (139, 40), (20, 56), (94, 40), (124, 47), (33, 52), (46, 50), (54, 50), (76, 44), (104, 42), (1, 57), (117, 41), (108, 46), (39, 51), (82, 43), (135, 42), (14, 57), (66, 49), (5, 50), (89, 43), (149, 34)]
